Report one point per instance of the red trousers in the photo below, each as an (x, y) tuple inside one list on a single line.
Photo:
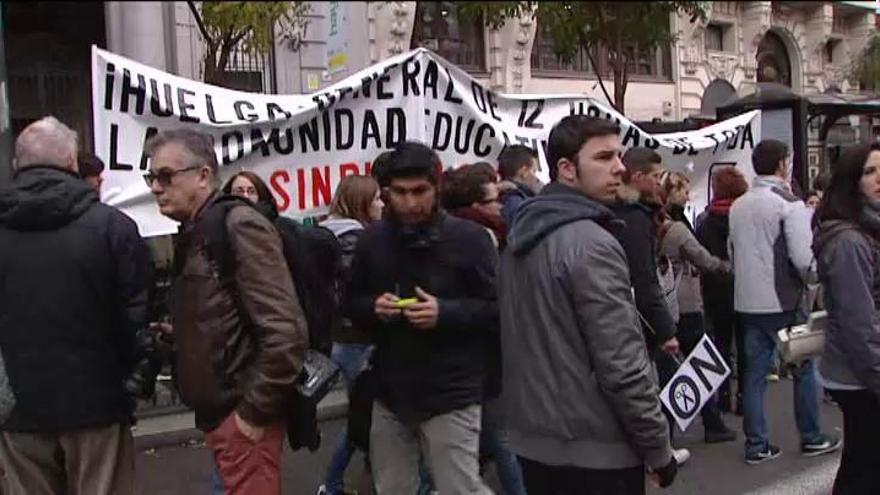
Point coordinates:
[(247, 467)]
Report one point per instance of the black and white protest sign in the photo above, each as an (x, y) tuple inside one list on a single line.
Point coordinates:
[(698, 378), (303, 145)]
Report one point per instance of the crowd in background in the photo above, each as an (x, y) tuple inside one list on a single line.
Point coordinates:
[(476, 315)]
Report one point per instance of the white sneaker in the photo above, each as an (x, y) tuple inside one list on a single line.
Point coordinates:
[(322, 490), (681, 455)]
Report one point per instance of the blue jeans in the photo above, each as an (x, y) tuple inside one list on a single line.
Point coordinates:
[(216, 480), (760, 347), (351, 359)]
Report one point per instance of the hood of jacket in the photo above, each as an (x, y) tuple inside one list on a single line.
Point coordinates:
[(44, 198), (341, 226), (827, 230), (557, 205)]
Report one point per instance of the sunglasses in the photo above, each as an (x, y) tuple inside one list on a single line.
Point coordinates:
[(165, 176)]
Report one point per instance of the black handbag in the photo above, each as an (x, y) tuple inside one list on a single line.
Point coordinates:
[(318, 376)]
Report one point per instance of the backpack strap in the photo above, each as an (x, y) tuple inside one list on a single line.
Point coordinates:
[(214, 235)]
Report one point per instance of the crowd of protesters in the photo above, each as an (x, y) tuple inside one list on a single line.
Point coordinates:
[(479, 315)]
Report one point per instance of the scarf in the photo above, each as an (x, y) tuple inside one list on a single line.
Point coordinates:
[(721, 206), (870, 217), (495, 223)]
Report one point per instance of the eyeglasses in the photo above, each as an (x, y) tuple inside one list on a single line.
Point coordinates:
[(244, 191), (165, 176)]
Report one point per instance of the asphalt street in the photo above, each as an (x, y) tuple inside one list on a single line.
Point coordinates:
[(713, 469)]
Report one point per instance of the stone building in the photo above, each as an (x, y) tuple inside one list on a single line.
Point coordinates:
[(805, 45)]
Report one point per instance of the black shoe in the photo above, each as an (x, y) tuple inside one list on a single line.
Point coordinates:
[(771, 452), (825, 445), (720, 436)]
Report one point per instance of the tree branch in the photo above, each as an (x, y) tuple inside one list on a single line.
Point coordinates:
[(199, 22), (599, 75)]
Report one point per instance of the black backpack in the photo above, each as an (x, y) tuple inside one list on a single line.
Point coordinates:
[(314, 258)]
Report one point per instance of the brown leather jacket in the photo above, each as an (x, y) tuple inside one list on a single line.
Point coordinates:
[(226, 362)]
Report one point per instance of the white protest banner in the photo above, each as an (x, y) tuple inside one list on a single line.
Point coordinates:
[(696, 380), (302, 145)]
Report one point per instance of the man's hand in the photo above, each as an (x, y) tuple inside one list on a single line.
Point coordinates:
[(670, 346), (424, 314), (162, 328), (255, 433), (664, 476), (386, 306)]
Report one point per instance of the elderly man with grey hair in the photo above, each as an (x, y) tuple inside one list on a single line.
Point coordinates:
[(73, 275), (240, 331)]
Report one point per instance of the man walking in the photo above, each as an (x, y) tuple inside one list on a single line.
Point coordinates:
[(584, 416), (770, 246), (241, 339), (73, 281), (423, 286), (638, 204)]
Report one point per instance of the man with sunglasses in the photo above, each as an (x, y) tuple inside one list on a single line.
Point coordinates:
[(241, 342), (73, 281), (423, 286)]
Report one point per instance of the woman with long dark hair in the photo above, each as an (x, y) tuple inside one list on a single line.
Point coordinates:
[(847, 249)]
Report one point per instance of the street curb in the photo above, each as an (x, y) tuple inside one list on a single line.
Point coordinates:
[(175, 438)]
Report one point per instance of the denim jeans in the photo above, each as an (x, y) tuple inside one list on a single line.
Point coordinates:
[(351, 358), (216, 480), (760, 347)]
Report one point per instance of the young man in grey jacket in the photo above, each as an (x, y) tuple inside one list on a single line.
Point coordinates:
[(584, 416), (769, 244)]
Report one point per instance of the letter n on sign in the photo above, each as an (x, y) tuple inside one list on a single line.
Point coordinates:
[(697, 379)]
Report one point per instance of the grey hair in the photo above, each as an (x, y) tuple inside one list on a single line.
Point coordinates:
[(45, 142), (199, 146)]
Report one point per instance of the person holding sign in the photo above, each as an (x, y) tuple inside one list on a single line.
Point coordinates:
[(847, 251), (688, 259), (423, 286), (769, 244), (583, 409)]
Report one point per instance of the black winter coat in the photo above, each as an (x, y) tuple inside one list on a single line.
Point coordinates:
[(424, 373), (638, 241), (717, 287), (73, 281)]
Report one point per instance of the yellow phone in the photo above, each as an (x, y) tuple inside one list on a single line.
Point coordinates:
[(405, 303)]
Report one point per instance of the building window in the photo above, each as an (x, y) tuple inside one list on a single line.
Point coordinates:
[(545, 60), (246, 71), (439, 27), (714, 37), (654, 63), (830, 48)]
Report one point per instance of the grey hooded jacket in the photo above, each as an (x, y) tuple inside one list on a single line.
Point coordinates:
[(849, 268), (578, 385)]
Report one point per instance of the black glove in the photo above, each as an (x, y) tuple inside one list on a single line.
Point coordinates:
[(667, 473)]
